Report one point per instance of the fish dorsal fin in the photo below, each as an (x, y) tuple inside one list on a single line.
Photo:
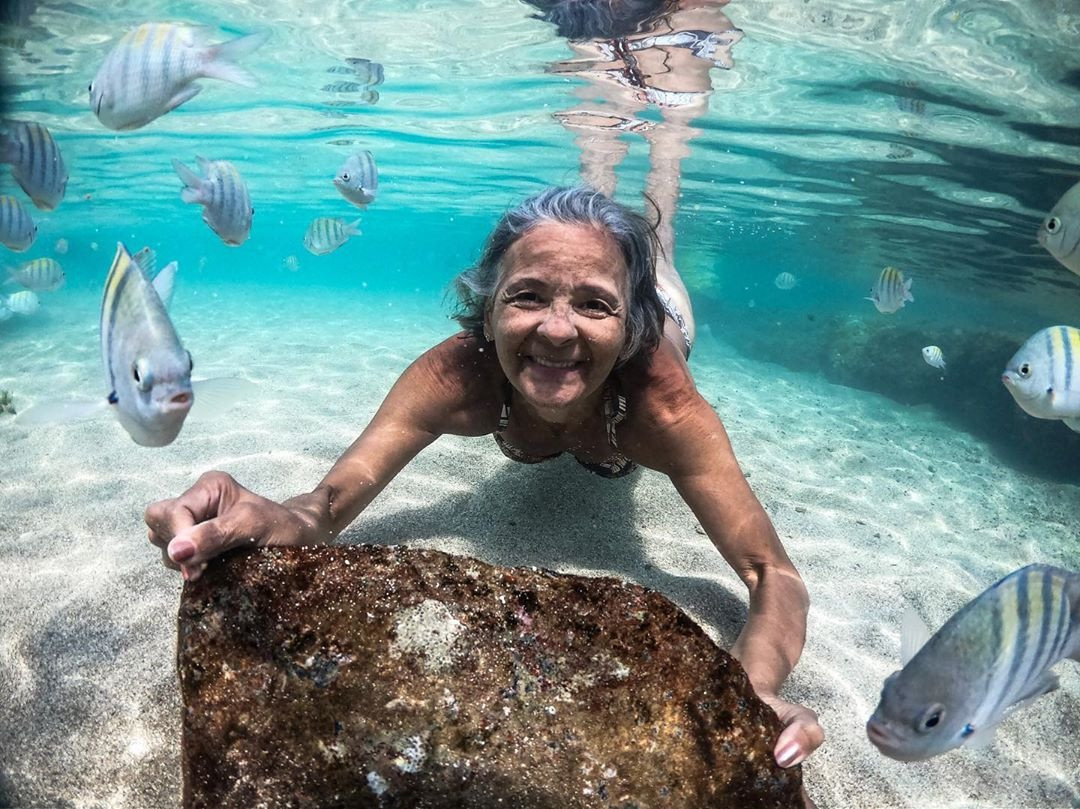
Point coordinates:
[(147, 260), (164, 282), (913, 634)]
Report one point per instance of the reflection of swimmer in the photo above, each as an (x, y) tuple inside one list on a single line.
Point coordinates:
[(635, 54)]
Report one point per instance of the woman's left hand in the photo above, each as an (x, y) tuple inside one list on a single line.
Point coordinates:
[(802, 734)]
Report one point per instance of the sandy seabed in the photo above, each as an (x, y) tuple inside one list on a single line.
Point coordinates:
[(876, 503)]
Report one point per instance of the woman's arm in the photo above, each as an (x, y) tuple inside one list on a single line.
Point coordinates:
[(447, 390), (675, 431)]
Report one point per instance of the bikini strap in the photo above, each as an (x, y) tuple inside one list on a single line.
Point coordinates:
[(614, 412), (504, 414)]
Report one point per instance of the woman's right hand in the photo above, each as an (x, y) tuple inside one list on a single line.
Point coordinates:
[(213, 516)]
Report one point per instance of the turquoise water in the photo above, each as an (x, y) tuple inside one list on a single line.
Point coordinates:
[(933, 136)]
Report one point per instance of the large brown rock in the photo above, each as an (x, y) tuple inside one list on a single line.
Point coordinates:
[(387, 677)]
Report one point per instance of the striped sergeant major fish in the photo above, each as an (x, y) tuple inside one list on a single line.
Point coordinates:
[(891, 291), (147, 369), (326, 234), (223, 195), (989, 659), (39, 275), (17, 229), (358, 179), (36, 162), (1044, 375), (1059, 232), (152, 70)]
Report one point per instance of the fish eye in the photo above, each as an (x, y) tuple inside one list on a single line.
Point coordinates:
[(345, 176), (141, 375), (931, 718), (1025, 370), (1052, 224), (90, 87), (191, 362)]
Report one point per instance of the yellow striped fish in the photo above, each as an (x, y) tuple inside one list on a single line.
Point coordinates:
[(39, 275), (36, 162), (358, 179), (990, 658), (17, 229), (891, 291), (151, 71), (147, 370), (326, 234), (1044, 375), (224, 196)]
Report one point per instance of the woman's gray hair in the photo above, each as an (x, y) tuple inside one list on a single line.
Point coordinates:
[(635, 236), (580, 20)]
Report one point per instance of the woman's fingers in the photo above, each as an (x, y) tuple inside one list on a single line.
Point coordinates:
[(802, 736)]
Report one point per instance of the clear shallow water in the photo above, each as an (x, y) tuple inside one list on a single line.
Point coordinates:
[(846, 136)]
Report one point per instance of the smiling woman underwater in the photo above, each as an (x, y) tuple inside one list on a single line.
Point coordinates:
[(565, 293)]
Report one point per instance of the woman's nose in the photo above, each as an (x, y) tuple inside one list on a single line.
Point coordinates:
[(558, 327)]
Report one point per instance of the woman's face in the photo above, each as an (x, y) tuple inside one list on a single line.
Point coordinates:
[(558, 315)]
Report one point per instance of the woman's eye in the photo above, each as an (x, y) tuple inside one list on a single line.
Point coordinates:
[(596, 307), (524, 297)]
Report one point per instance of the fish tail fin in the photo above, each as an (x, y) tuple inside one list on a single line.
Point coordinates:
[(353, 228), (221, 59), (9, 148), (192, 182), (907, 291)]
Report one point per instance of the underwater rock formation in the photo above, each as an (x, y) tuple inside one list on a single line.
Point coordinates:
[(388, 677), (883, 357)]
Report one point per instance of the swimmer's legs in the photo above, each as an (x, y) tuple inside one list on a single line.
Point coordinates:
[(599, 129), (669, 143)]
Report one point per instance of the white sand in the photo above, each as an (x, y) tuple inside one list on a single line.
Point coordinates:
[(875, 503)]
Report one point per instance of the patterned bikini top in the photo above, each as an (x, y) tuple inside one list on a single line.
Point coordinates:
[(614, 412)]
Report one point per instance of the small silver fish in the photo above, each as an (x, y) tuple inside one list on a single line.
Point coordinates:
[(991, 658), (36, 162), (223, 195), (358, 179), (23, 303), (17, 229), (291, 263), (61, 246), (151, 71), (785, 281), (934, 357), (1060, 231), (326, 234), (147, 370), (39, 275), (1043, 376), (367, 72), (891, 291)]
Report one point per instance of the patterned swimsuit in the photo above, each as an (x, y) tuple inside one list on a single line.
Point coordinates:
[(614, 412)]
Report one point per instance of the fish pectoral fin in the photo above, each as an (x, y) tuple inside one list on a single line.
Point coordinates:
[(982, 738), (914, 634), (215, 396), (1047, 682), (182, 97), (61, 411), (1073, 424)]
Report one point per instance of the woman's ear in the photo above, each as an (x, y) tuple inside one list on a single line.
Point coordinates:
[(489, 335)]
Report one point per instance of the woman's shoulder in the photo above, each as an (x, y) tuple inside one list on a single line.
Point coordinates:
[(659, 389), (461, 380)]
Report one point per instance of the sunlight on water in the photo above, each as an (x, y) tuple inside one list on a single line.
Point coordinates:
[(837, 138)]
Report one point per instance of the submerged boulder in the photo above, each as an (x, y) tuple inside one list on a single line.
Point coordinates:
[(387, 677)]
